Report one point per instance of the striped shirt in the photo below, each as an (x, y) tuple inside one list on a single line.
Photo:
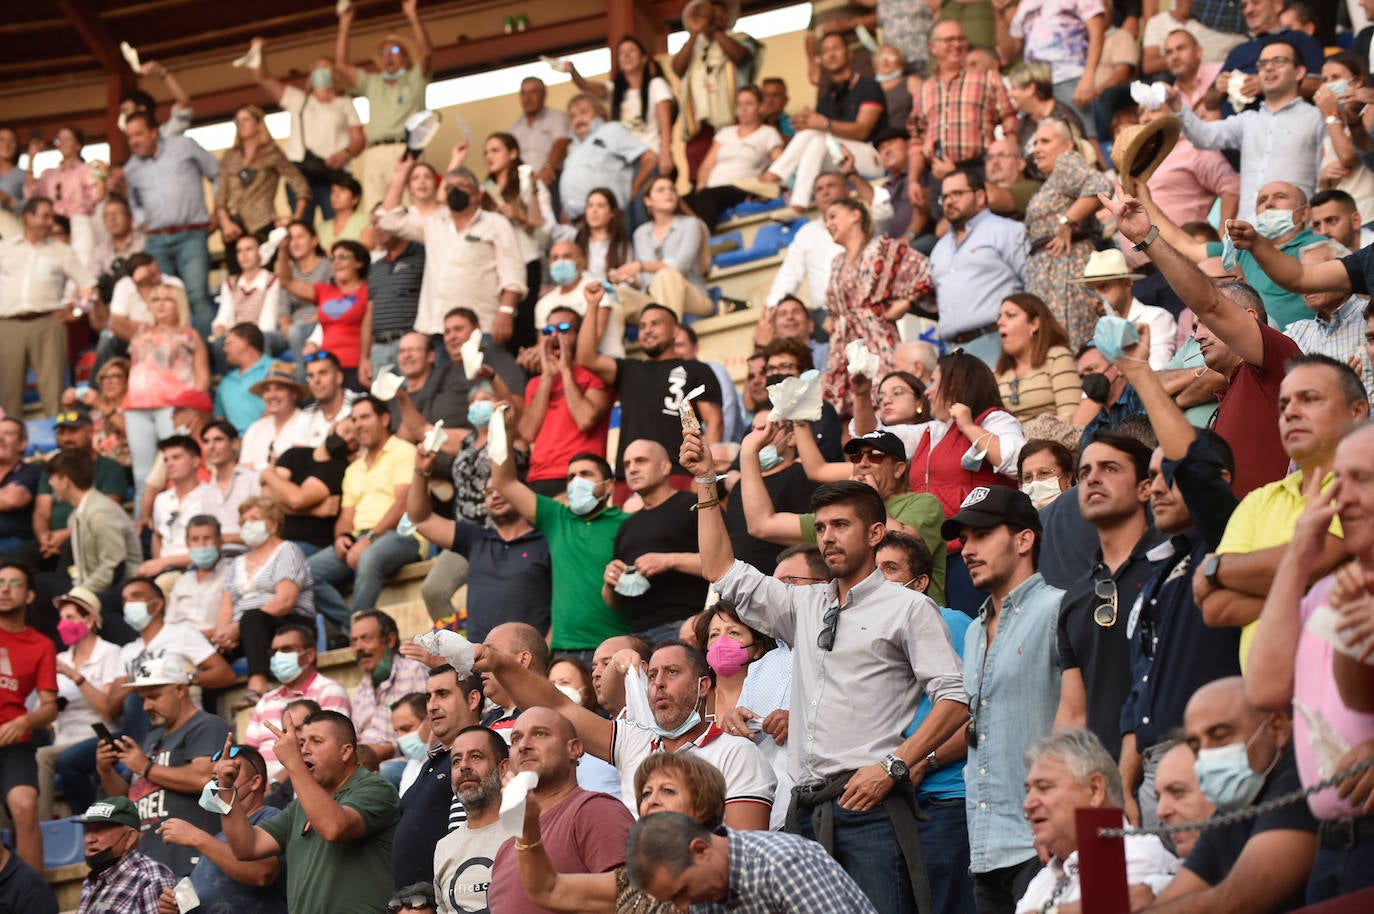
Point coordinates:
[(1340, 336), (1054, 387), (393, 284)]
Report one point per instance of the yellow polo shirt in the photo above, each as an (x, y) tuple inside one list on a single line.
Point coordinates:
[(371, 491), (1266, 518)]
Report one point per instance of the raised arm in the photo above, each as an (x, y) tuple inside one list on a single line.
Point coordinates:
[(717, 555), (346, 69), (603, 366), (531, 690), (331, 820), (1289, 272), (521, 497), (262, 77), (423, 46), (1171, 426), (301, 288), (567, 893)]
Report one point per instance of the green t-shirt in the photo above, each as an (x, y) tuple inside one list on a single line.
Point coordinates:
[(390, 102), (111, 478), (1284, 307), (351, 878), (920, 511), (580, 549)]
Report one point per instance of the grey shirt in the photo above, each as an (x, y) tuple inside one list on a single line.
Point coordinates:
[(851, 703)]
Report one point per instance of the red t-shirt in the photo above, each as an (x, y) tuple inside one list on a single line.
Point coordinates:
[(559, 438), (1248, 417), (341, 320), (28, 661)]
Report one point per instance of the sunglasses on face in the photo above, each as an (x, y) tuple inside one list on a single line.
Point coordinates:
[(560, 327), (868, 454), (409, 901)]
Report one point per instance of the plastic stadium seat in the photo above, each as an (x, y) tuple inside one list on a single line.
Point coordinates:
[(769, 240), (754, 207), (63, 843), (240, 666)]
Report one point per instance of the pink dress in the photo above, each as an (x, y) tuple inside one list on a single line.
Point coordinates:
[(163, 366)]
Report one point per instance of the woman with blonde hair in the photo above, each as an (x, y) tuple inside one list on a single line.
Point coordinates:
[(249, 174), (1035, 372)]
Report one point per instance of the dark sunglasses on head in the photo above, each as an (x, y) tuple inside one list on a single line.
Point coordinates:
[(560, 327), (316, 356), (233, 753)]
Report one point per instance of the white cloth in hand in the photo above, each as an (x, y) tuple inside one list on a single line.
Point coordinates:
[(861, 361), (797, 399), (453, 647)]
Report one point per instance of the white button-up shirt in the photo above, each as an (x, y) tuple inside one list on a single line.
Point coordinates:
[(1147, 863), (33, 276), (809, 257)]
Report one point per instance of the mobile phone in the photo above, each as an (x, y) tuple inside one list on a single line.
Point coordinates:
[(104, 733)]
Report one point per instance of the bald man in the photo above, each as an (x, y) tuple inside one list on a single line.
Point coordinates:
[(659, 543)]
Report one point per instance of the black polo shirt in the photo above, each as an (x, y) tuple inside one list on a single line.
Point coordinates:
[(672, 595), (393, 285), (425, 812), (790, 492), (18, 522), (841, 101), (508, 581), (1173, 651), (1103, 655)]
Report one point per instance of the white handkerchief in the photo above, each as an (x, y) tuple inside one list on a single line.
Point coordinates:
[(342, 7), (187, 899), (452, 646), (130, 56), (1327, 744), (796, 399), (498, 449), (268, 251), (1323, 622), (513, 801), (421, 127), (1150, 96), (252, 60), (436, 438), (557, 63), (637, 707), (1238, 98), (861, 361), (385, 385), (471, 351), (526, 176)]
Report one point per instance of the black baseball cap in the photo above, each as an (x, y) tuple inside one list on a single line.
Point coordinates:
[(73, 418), (989, 506), (886, 442), (889, 133)]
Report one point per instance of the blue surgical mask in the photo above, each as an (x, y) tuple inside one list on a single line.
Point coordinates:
[(322, 78), (396, 77), (563, 272), (692, 720), (582, 499), (479, 413), (1112, 335), (137, 615), (1339, 86), (769, 457), (204, 557), (887, 76), (1225, 776), (1275, 223), (412, 746), (973, 458), (285, 666), (211, 802)]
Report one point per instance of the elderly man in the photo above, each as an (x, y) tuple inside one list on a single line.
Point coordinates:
[(120, 878), (463, 858), (171, 765), (1107, 277), (1069, 771), (387, 677), (1009, 189), (336, 834), (34, 271), (1244, 758), (1294, 662), (1337, 327), (602, 153), (584, 831), (541, 131), (1180, 796)]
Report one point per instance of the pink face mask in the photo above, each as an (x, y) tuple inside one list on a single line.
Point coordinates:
[(71, 631), (727, 656)]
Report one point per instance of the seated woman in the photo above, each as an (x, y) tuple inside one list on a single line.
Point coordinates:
[(1035, 372), (252, 297), (344, 316), (730, 647), (1046, 470), (349, 223), (264, 587), (668, 263), (106, 403), (602, 234), (665, 782), (739, 153)]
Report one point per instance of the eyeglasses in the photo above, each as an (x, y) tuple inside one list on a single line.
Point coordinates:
[(560, 327), (409, 901), (1265, 63), (869, 454), (14, 584), (830, 621), (1105, 613), (316, 356), (798, 580), (957, 192)]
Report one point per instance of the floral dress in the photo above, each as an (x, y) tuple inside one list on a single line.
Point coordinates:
[(1048, 276), (163, 366), (887, 271)]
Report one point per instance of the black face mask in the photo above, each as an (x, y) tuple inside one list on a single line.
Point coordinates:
[(336, 447), (102, 861), (1097, 388), (458, 199)]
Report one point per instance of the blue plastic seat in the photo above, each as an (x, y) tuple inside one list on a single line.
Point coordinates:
[(321, 637), (753, 207), (771, 238), (63, 843)]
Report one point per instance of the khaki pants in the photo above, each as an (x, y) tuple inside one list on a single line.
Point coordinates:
[(670, 289), (378, 162), (41, 343)]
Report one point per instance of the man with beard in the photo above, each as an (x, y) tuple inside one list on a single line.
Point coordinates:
[(508, 565), (332, 401), (337, 832), (463, 858), (679, 681), (428, 810), (171, 767)]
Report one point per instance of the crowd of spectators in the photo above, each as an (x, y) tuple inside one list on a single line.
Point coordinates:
[(1049, 483)]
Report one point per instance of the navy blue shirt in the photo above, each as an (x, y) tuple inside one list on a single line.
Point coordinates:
[(425, 812), (1173, 651), (18, 522), (23, 889), (842, 101), (393, 284), (507, 581)]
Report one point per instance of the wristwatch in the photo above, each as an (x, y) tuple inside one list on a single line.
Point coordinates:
[(1332, 119), (932, 762), (894, 767), (1211, 569), (1063, 219), (1148, 240)]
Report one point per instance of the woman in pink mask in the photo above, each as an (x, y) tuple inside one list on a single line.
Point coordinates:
[(730, 647)]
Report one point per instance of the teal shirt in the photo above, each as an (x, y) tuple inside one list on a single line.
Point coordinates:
[(111, 478), (1284, 307), (947, 781), (580, 549), (234, 402)]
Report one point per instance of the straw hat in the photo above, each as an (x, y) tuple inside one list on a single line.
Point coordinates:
[(281, 373), (1140, 149), (1104, 266)]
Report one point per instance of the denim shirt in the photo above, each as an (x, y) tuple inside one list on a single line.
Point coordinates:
[(1015, 686)]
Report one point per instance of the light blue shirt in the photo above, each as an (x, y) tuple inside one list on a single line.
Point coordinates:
[(973, 278), (234, 402), (947, 781), (606, 158), (1282, 145), (681, 250), (1340, 337), (165, 191), (1015, 690), (768, 684)]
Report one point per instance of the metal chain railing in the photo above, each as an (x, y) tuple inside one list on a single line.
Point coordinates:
[(1248, 812)]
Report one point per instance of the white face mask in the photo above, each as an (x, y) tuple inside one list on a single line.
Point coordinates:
[(1042, 491), (1275, 223)]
